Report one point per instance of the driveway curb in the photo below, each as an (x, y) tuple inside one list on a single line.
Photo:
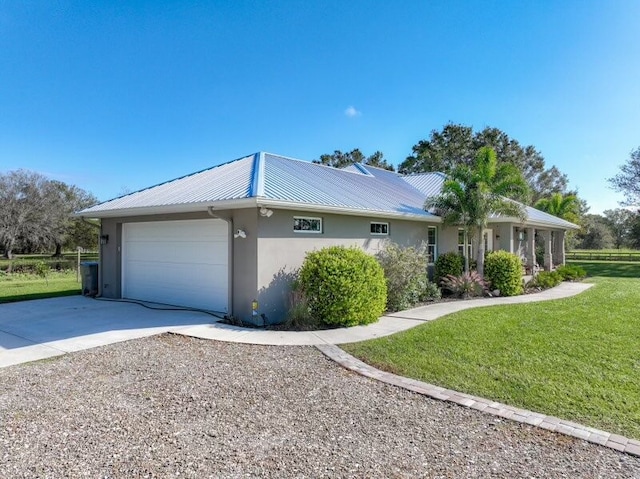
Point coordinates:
[(551, 423)]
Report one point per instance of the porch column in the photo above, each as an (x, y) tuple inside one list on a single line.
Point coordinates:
[(531, 248), (548, 258), (511, 237), (558, 247)]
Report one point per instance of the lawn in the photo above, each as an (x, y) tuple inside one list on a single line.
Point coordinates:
[(575, 358), (20, 287)]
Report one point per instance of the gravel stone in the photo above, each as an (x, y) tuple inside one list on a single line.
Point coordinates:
[(172, 406)]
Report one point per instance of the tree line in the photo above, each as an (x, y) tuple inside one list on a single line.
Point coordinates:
[(36, 215)]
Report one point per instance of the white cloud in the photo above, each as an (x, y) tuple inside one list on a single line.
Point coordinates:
[(351, 112)]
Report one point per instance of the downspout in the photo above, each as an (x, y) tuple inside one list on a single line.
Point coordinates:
[(230, 233)]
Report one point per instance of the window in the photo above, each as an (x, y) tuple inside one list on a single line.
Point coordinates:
[(431, 243), (464, 244), (305, 224), (380, 228)]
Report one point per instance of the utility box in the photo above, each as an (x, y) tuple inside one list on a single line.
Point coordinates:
[(89, 272)]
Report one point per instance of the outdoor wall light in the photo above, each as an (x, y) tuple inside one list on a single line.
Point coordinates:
[(265, 212), (240, 234), (104, 239)]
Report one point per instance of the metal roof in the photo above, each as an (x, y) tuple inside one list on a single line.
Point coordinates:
[(264, 178), (228, 181), (429, 184), (297, 181), (535, 216)]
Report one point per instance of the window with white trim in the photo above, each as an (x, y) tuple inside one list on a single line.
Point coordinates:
[(432, 240), (464, 243), (380, 229), (307, 224)]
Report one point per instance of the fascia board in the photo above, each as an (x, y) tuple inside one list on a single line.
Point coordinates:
[(288, 205), (169, 209), (540, 224)]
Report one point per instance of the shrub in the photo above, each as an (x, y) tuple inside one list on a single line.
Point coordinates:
[(343, 286), (503, 271), (467, 285), (42, 269), (430, 292), (571, 272), (448, 264), (299, 315), (405, 271), (546, 280)]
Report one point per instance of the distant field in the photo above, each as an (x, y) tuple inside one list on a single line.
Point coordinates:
[(604, 255), (24, 263)]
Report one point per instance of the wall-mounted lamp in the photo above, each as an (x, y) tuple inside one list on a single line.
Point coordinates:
[(240, 234), (264, 211), (497, 236), (104, 239)]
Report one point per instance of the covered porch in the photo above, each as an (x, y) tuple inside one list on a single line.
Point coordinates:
[(525, 241)]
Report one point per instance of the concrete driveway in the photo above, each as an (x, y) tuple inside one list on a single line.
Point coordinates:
[(32, 330)]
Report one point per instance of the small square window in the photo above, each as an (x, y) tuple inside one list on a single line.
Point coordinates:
[(380, 229), (305, 224)]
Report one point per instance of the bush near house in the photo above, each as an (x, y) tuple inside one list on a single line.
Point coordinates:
[(571, 272), (503, 271), (343, 286), (405, 271), (546, 280), (467, 285), (447, 264)]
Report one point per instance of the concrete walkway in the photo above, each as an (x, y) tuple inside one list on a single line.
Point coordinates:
[(40, 329), (387, 325)]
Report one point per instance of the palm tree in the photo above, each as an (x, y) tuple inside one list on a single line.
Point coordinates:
[(566, 207), (472, 194)]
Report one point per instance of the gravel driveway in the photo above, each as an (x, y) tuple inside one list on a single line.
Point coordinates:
[(171, 406)]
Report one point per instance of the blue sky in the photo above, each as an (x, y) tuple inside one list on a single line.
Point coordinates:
[(115, 96)]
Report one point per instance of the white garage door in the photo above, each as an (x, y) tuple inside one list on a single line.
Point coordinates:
[(182, 263)]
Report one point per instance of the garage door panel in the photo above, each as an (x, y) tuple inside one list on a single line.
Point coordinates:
[(184, 263), (183, 253)]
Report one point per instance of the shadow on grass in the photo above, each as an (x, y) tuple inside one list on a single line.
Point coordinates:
[(43, 295), (610, 269)]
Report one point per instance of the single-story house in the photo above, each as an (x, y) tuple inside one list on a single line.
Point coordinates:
[(228, 236)]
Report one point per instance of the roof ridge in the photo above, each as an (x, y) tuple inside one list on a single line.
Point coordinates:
[(257, 175)]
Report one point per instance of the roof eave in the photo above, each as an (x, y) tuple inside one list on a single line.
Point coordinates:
[(169, 209), (540, 224), (290, 205)]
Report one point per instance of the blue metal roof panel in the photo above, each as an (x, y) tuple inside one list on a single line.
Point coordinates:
[(537, 216), (429, 184), (358, 187), (307, 183), (223, 182)]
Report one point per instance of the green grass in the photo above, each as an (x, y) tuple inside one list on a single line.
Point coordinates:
[(610, 269), (575, 358), (606, 250), (21, 287)]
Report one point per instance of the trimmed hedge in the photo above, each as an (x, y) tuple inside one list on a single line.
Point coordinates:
[(503, 271), (448, 264), (343, 286)]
